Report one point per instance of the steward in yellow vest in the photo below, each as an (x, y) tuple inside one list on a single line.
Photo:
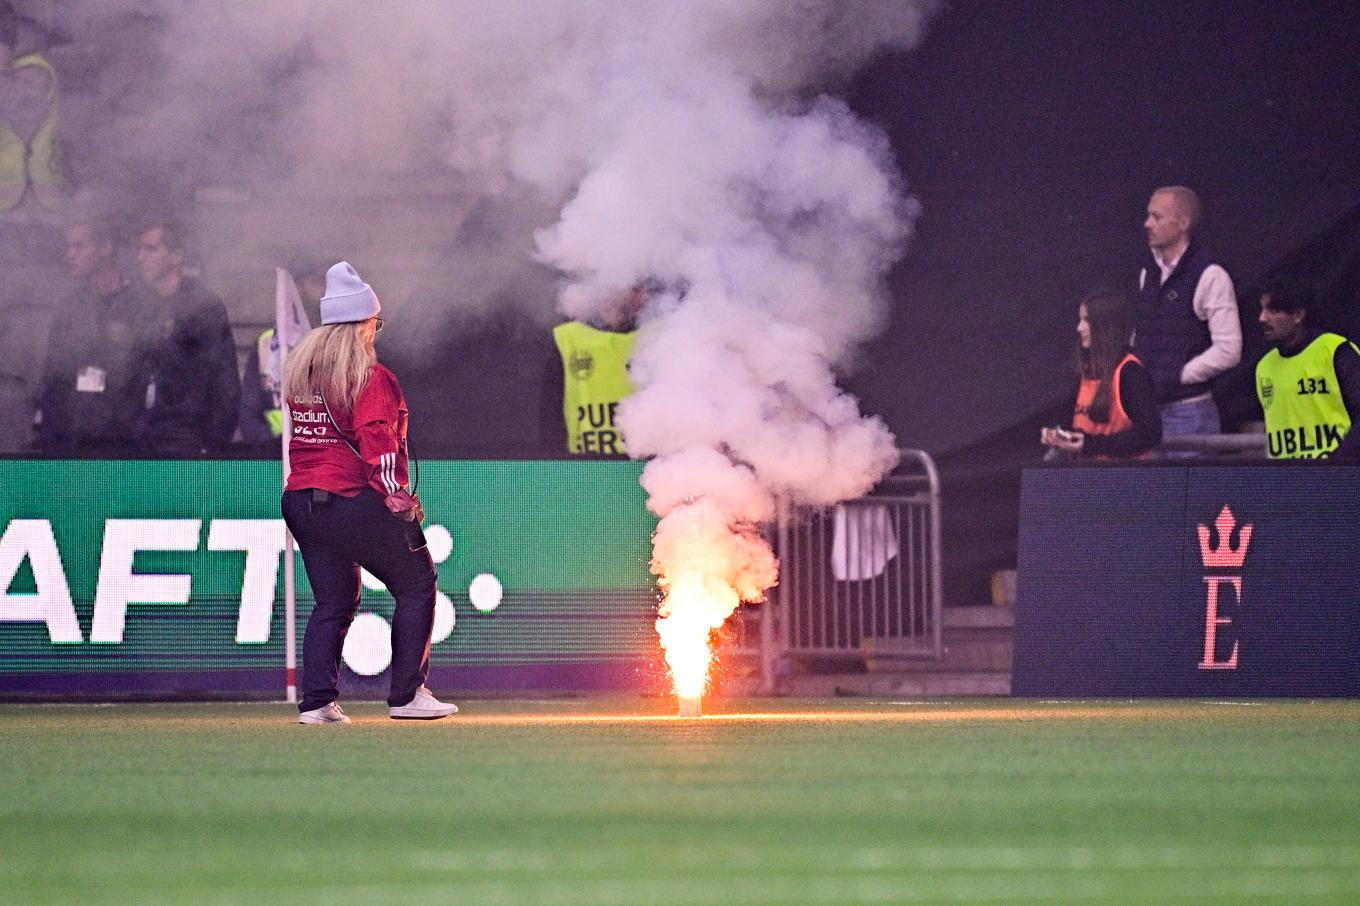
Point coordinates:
[(590, 378), (595, 380), (30, 143), (1308, 385), (261, 418)]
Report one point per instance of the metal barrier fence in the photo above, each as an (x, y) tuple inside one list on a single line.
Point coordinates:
[(864, 574)]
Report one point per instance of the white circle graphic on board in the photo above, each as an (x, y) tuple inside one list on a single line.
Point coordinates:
[(485, 592), (444, 618), (440, 543), (368, 647)]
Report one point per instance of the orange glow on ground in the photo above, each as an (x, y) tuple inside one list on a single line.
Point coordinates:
[(903, 716)]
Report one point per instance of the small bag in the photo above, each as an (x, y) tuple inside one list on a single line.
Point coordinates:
[(415, 535), (416, 513)]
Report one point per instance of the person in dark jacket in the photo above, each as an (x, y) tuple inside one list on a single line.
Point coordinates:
[(1115, 415), (1188, 327), (89, 397), (193, 389)]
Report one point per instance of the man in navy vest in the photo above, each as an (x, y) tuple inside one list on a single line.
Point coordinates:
[(1187, 326)]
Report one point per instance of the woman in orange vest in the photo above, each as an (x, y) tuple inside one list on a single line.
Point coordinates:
[(1116, 412)]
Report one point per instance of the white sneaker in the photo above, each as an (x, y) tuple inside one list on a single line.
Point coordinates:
[(423, 707), (326, 714)]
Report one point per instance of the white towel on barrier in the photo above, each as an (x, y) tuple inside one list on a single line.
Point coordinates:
[(862, 543)]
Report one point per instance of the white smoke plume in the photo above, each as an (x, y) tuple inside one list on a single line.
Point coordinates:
[(332, 120), (773, 219), (695, 143)]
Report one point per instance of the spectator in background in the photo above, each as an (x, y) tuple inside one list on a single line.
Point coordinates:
[(1188, 329), (30, 141), (1116, 410), (89, 396), (193, 392), (1309, 384), (261, 416), (31, 187), (588, 379)]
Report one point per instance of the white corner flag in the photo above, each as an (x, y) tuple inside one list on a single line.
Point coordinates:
[(290, 324)]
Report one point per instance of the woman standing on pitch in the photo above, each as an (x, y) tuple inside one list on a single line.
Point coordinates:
[(347, 504), (1116, 413)]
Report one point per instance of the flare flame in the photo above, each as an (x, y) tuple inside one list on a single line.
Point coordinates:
[(707, 563)]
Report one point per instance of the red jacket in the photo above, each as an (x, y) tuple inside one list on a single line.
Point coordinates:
[(377, 426)]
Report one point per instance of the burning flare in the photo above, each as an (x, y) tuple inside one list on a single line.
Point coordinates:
[(707, 562)]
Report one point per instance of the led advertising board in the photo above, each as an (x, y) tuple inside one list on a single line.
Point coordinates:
[(1200, 580), (150, 577)]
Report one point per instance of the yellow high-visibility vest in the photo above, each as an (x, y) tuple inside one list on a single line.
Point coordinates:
[(270, 382), (595, 375), (1305, 415), (36, 163)]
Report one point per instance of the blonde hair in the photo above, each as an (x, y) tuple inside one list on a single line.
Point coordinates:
[(335, 359)]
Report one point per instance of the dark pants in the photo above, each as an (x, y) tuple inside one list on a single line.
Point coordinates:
[(336, 538)]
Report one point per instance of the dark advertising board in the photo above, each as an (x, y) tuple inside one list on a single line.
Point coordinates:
[(1201, 580)]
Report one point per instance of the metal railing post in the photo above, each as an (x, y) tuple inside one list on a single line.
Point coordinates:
[(936, 602), (774, 616), (936, 555)]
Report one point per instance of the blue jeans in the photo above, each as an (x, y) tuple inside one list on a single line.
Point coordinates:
[(1193, 416), (336, 538)]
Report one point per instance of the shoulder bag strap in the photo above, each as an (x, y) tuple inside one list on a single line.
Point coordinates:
[(405, 443), (336, 425)]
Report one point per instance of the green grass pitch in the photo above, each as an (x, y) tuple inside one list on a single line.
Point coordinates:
[(612, 801)]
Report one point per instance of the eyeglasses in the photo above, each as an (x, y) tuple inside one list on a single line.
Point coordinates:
[(378, 324)]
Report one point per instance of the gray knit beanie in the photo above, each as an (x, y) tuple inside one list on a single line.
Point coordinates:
[(348, 298)]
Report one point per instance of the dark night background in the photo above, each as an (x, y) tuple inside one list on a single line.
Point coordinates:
[(1033, 134)]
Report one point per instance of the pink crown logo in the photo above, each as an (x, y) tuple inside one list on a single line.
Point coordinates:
[(1224, 555)]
